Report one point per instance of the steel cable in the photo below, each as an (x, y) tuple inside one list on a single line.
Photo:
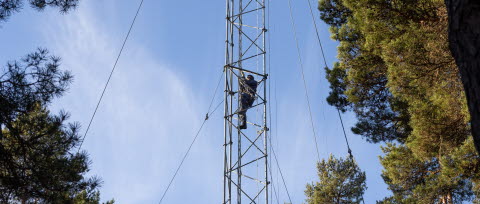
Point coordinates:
[(110, 76), (326, 65), (208, 115), (303, 78)]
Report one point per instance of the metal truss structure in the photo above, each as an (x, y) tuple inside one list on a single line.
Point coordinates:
[(246, 155)]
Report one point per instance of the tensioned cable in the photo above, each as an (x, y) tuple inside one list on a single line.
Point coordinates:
[(303, 77), (194, 139), (270, 110), (270, 115), (276, 123), (316, 31), (269, 62), (183, 160), (326, 65), (215, 93), (273, 186), (111, 73), (271, 149), (281, 175), (345, 134)]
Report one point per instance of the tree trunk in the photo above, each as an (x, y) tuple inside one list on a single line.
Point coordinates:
[(464, 38), (1, 130)]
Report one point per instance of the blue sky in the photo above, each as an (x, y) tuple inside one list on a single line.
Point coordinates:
[(162, 87)]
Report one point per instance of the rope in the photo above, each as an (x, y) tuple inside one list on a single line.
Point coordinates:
[(303, 77), (111, 73)]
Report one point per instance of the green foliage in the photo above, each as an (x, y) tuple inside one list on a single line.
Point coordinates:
[(38, 157), (35, 79), (40, 161), (334, 12), (413, 180), (336, 77), (9, 7), (359, 80), (396, 72), (85, 198), (341, 181)]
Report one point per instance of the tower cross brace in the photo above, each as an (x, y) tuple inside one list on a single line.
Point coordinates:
[(245, 150)]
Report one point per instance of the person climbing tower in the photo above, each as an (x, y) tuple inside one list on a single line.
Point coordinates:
[(248, 89)]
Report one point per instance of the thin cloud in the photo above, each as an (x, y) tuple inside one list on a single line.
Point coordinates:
[(146, 118)]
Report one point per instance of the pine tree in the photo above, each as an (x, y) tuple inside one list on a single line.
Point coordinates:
[(397, 74), (437, 180), (464, 19), (41, 165), (84, 198), (38, 157), (341, 182), (9, 7), (35, 79)]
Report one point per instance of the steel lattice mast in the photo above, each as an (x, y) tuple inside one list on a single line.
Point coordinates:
[(246, 155)]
